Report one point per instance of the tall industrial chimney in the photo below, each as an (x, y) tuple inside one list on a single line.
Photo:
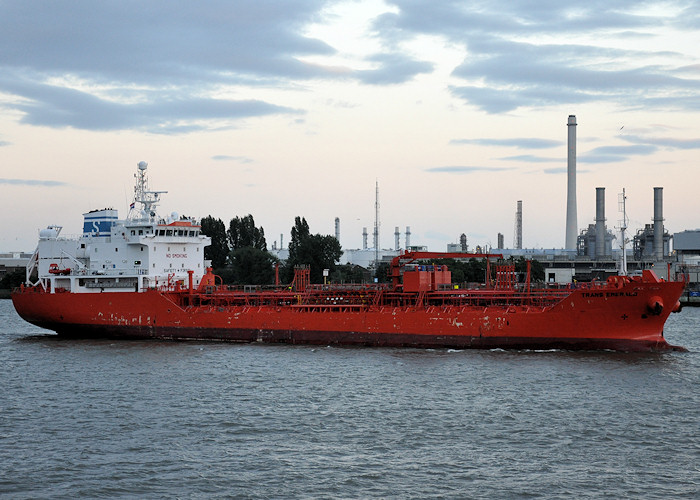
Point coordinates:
[(658, 223), (599, 222), (397, 243), (519, 226), (463, 242), (337, 228), (571, 217), (408, 237), (364, 238)]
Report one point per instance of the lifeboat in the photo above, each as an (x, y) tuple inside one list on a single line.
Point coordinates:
[(54, 269)]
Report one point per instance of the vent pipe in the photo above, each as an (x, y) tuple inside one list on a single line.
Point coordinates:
[(571, 217), (599, 222), (658, 223)]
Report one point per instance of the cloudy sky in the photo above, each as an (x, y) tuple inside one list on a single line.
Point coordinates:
[(457, 109)]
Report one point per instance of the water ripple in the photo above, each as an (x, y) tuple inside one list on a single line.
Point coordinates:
[(104, 419)]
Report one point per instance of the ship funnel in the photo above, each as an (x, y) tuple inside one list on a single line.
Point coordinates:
[(599, 222), (658, 223), (571, 217)]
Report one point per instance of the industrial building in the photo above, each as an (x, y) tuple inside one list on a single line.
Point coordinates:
[(13, 261)]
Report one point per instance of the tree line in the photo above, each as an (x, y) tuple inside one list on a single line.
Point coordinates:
[(239, 253)]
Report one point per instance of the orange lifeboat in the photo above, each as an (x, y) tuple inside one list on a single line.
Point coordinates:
[(54, 269)]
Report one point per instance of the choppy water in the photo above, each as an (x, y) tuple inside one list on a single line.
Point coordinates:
[(102, 419)]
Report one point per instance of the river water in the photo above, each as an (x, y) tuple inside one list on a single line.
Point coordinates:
[(105, 419)]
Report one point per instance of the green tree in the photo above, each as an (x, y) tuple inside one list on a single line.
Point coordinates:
[(300, 233), (317, 251), (218, 251), (243, 233), (13, 279), (382, 273), (536, 268), (251, 266), (350, 273)]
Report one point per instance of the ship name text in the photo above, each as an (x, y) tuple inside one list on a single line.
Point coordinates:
[(600, 295)]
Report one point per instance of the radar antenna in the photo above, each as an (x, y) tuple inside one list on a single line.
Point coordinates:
[(142, 195)]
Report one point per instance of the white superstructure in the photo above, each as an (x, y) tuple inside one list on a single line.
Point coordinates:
[(143, 251)]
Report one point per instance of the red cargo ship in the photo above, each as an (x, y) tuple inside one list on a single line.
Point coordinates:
[(158, 289)]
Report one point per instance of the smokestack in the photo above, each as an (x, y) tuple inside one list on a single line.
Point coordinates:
[(396, 238), (408, 237), (463, 242), (519, 226), (337, 229), (500, 240), (364, 238), (571, 217), (281, 236), (599, 223), (658, 223)]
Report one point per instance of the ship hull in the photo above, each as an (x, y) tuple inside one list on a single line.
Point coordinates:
[(378, 339), (617, 320)]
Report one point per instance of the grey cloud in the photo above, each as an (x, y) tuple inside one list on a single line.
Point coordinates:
[(393, 68), (491, 100), (54, 106), (462, 20), (601, 158), (615, 154), (463, 170), (517, 142), (666, 142), (641, 149), (239, 159), (159, 41), (150, 66), (501, 100), (502, 72), (531, 159), (32, 182)]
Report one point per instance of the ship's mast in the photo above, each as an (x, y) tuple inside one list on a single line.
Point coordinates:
[(142, 195), (623, 227)]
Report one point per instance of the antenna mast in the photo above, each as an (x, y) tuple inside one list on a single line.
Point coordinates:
[(148, 199), (623, 227), (376, 227)]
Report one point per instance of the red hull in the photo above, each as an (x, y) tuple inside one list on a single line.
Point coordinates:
[(619, 318)]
